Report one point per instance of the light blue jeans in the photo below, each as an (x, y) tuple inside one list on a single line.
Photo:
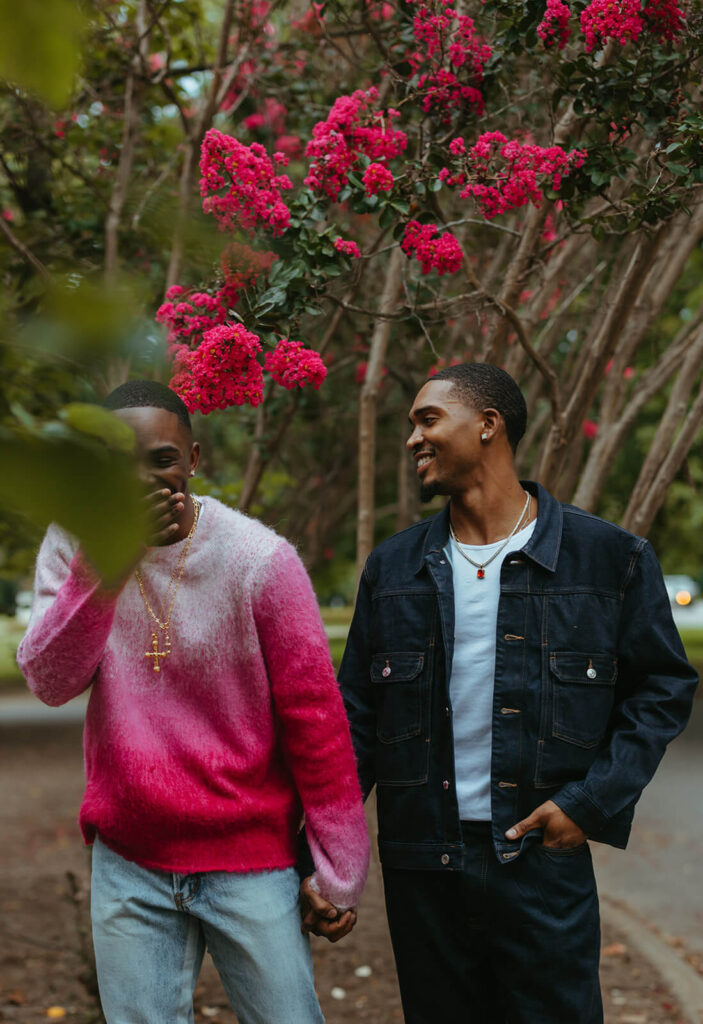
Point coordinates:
[(151, 928)]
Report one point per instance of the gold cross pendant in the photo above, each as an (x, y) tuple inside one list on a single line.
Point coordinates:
[(155, 653)]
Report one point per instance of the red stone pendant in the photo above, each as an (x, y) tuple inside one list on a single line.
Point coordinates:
[(480, 574)]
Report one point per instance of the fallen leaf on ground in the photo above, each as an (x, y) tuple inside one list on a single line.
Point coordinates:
[(17, 998), (615, 949), (56, 1012)]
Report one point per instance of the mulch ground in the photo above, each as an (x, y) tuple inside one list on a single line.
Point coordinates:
[(45, 957)]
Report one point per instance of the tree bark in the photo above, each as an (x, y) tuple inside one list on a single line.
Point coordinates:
[(639, 519), (392, 290), (595, 355), (134, 91), (612, 435), (660, 460)]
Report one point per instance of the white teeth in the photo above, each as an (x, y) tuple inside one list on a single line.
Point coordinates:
[(424, 459)]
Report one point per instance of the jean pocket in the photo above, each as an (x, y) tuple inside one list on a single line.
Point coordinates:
[(584, 692), (562, 852)]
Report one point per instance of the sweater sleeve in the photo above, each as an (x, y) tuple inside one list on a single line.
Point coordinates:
[(315, 732), (70, 622)]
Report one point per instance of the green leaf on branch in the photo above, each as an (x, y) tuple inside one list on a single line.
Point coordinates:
[(387, 216)]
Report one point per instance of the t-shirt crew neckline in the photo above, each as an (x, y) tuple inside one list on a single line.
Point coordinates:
[(518, 540)]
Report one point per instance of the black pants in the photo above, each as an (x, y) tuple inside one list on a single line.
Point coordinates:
[(515, 943)]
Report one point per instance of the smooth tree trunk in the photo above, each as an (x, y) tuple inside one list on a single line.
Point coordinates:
[(392, 290)]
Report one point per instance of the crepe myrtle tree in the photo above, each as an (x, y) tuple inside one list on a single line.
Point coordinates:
[(511, 182)]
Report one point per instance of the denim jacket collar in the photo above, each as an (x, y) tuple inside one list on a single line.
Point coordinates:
[(542, 547)]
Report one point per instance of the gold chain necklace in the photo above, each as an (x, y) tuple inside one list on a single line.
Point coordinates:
[(481, 566), (163, 621)]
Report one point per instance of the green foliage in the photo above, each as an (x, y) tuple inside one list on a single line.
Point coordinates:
[(89, 490), (40, 46), (10, 635)]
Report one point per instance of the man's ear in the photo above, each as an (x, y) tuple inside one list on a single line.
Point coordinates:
[(492, 421), (194, 457)]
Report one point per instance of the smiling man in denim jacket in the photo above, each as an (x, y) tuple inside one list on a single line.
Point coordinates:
[(512, 678)]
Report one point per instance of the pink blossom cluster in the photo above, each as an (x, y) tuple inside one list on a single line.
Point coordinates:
[(441, 253), (239, 185), (347, 247), (443, 90), (293, 366), (377, 178), (271, 117), (379, 10), (242, 266), (222, 371), (448, 46), (626, 20), (504, 175), (352, 128), (554, 27), (665, 19), (188, 314)]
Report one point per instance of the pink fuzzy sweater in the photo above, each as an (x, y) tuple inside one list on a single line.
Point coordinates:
[(209, 764)]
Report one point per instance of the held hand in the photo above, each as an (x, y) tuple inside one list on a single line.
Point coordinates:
[(323, 918), (558, 830)]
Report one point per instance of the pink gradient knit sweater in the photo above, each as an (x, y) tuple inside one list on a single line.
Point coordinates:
[(209, 764)]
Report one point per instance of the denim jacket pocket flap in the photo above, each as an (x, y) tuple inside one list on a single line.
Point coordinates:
[(396, 667), (589, 669), (583, 694)]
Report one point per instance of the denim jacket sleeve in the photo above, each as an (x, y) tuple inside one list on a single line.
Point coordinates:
[(656, 687), (355, 682)]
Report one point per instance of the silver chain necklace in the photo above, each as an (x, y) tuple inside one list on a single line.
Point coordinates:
[(481, 566)]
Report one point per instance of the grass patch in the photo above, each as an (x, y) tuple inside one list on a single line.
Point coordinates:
[(337, 616), (11, 632)]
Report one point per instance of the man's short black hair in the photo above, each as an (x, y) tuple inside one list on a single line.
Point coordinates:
[(485, 386), (140, 394)]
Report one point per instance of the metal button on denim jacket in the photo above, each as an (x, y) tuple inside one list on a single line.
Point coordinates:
[(591, 683)]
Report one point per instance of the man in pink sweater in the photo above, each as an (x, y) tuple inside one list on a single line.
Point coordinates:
[(214, 723)]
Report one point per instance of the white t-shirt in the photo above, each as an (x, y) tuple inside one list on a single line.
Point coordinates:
[(473, 669)]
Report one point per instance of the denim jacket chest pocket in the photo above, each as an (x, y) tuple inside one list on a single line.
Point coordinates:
[(401, 690), (584, 691)]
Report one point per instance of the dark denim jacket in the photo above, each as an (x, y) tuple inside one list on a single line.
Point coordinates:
[(591, 683)]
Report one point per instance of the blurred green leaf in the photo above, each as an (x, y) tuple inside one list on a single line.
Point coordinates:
[(100, 423), (91, 492), (39, 46), (83, 319)]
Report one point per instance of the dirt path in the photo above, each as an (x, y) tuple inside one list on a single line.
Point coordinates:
[(44, 941)]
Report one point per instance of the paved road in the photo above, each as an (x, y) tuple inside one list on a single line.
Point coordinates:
[(660, 875)]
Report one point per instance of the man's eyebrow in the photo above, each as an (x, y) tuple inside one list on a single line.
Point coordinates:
[(164, 448)]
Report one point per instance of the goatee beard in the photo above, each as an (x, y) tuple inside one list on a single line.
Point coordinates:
[(429, 491)]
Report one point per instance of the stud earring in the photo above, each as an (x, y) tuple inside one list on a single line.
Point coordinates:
[(484, 437)]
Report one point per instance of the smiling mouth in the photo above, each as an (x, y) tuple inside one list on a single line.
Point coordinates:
[(423, 460)]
